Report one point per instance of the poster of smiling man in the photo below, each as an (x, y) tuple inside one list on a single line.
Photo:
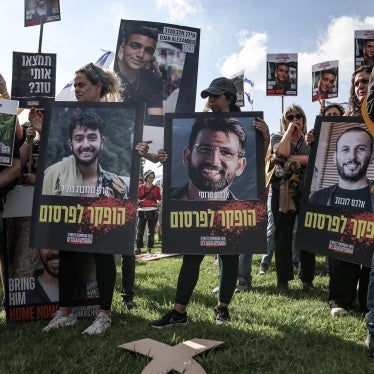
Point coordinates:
[(325, 78), (86, 192), (213, 190), (41, 11), (364, 48), (281, 74), (158, 65), (337, 209)]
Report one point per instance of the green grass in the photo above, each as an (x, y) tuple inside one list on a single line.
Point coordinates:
[(268, 333)]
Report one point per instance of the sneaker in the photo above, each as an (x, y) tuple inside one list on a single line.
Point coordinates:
[(308, 287), (241, 287), (171, 318), (215, 289), (130, 305), (101, 323), (338, 311), (149, 250), (138, 251), (282, 288), (222, 315), (263, 268), (61, 320), (369, 344)]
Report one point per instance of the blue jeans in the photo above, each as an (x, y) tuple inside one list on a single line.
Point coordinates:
[(370, 301), (266, 259), (245, 269)]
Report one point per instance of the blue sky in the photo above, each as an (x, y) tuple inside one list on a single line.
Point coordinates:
[(235, 35)]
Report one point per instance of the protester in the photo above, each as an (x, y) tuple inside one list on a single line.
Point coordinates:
[(91, 84), (149, 198), (222, 97), (289, 147), (369, 342), (348, 279), (8, 179)]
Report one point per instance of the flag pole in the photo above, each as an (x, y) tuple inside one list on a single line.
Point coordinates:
[(40, 37)]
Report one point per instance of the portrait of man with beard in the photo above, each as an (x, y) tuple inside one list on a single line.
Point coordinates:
[(352, 157), (45, 288), (214, 157), (81, 174)]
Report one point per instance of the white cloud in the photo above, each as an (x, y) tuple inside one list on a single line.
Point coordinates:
[(251, 58), (179, 9), (333, 43)]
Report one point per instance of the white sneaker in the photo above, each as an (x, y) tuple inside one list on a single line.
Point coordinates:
[(215, 289), (60, 320), (336, 312), (102, 323)]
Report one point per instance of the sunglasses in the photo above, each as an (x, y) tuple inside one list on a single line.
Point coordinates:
[(290, 117)]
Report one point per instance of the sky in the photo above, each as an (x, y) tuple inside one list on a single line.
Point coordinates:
[(235, 35)]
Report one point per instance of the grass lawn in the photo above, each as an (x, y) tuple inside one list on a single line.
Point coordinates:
[(268, 333)]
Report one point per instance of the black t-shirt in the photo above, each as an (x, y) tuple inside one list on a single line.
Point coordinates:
[(147, 88), (357, 200)]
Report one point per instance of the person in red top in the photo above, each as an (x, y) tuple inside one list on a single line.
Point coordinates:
[(149, 198)]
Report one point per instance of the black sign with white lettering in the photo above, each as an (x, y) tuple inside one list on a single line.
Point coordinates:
[(34, 78)]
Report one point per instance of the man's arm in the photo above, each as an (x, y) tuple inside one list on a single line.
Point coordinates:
[(10, 173)]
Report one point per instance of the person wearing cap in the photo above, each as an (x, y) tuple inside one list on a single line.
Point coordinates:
[(222, 97), (149, 198)]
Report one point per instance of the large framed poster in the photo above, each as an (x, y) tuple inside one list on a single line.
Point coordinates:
[(87, 178), (338, 198), (213, 190)]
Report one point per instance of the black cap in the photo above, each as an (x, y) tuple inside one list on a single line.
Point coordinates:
[(218, 87)]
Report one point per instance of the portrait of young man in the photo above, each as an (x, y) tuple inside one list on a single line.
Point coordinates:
[(81, 174), (136, 66), (87, 177)]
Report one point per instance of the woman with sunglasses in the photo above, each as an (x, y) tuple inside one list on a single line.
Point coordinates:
[(289, 146)]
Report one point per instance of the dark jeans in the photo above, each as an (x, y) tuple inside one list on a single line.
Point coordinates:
[(189, 275), (70, 272), (128, 277), (151, 232), (284, 223), (344, 278)]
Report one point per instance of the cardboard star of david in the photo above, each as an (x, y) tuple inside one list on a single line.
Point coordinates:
[(166, 358)]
